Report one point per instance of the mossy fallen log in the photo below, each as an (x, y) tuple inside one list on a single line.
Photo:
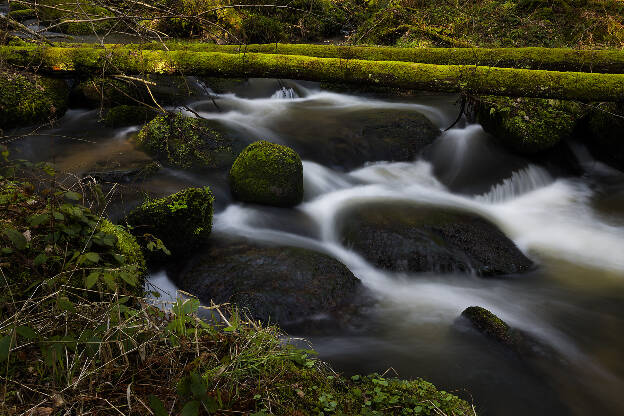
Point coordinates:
[(416, 76), (551, 59)]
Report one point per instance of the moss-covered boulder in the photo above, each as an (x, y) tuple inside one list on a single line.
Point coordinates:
[(411, 238), (274, 283), (267, 173), (30, 99), (605, 133), (182, 221), (528, 125), (187, 142), (128, 115)]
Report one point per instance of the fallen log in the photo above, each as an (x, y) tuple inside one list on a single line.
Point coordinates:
[(415, 76), (552, 59)]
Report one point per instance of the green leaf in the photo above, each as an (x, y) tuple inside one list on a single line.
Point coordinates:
[(211, 404), (6, 250), (129, 278), (40, 259), (120, 258), (58, 216), (5, 348), (73, 196), (17, 238), (198, 387), (26, 332), (64, 304), (190, 409), (109, 279), (37, 220), (92, 279), (105, 239), (92, 257), (157, 406)]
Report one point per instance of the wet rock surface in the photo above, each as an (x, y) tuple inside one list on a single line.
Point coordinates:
[(411, 238), (368, 136), (273, 283)]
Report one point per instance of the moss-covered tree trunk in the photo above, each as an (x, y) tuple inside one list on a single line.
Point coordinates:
[(552, 59), (445, 78)]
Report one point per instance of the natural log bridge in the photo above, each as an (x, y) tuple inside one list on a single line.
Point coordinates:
[(481, 80)]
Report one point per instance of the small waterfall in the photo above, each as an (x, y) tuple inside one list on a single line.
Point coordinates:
[(521, 182), (285, 94)]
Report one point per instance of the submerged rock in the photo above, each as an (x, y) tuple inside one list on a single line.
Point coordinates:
[(367, 136), (411, 238), (267, 173), (129, 175), (30, 99), (182, 221), (520, 342), (274, 283), (528, 125), (187, 142)]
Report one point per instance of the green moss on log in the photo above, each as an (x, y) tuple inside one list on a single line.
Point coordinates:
[(553, 59), (186, 142), (446, 78), (528, 125), (267, 173), (182, 221), (30, 99)]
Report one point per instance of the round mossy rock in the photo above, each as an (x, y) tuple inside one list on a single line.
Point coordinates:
[(182, 221), (528, 125), (30, 99), (267, 173), (186, 142)]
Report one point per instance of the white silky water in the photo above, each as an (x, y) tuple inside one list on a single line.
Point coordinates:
[(571, 227)]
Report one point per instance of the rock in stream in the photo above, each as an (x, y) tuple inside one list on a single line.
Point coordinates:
[(404, 237), (274, 283)]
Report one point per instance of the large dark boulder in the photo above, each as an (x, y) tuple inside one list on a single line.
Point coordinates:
[(274, 283), (358, 137), (410, 238)]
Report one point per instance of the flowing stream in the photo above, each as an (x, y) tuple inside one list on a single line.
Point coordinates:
[(571, 227)]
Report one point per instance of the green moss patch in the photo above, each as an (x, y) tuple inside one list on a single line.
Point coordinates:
[(528, 125), (186, 142), (181, 221), (267, 173), (488, 323), (30, 99)]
